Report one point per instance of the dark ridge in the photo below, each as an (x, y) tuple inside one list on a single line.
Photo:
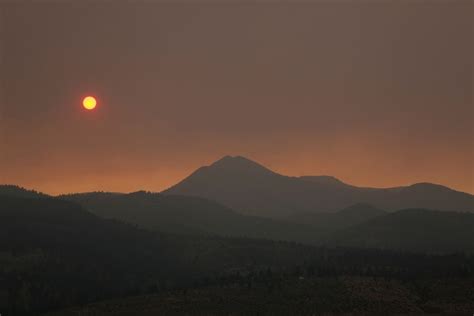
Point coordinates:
[(17, 191), (252, 189)]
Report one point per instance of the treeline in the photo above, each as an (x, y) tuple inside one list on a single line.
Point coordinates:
[(42, 280)]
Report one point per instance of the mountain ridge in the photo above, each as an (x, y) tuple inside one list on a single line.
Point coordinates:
[(188, 215), (251, 188), (411, 230), (360, 225)]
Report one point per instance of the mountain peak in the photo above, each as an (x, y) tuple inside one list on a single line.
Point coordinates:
[(246, 186), (228, 159), (238, 164)]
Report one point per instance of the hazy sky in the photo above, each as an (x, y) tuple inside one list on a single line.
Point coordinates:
[(376, 93)]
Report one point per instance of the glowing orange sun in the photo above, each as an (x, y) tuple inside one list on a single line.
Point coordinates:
[(89, 103)]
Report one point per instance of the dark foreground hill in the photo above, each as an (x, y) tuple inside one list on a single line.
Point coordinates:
[(299, 294), (412, 230), (55, 254), (249, 187), (360, 225), (189, 215)]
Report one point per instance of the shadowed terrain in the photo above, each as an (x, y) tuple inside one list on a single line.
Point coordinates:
[(360, 225), (412, 230), (329, 221), (56, 254), (292, 294), (189, 215), (250, 188)]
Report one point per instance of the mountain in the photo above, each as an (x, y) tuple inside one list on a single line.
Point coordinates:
[(416, 230), (28, 223), (189, 215), (325, 180), (17, 191), (328, 222), (54, 253), (250, 188)]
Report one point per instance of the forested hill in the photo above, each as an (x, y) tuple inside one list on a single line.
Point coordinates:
[(416, 230), (190, 215)]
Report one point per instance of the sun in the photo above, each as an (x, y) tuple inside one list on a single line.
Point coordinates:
[(89, 103)]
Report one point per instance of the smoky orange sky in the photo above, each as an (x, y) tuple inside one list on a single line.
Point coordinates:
[(376, 93)]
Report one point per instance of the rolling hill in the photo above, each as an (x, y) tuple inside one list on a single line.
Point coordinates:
[(412, 230), (350, 216), (54, 254), (360, 225), (250, 188), (189, 215)]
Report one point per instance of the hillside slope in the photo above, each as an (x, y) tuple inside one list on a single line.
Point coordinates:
[(190, 215), (53, 253), (412, 230), (350, 216), (250, 188)]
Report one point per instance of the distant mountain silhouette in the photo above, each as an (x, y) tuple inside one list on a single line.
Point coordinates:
[(326, 180), (189, 215), (250, 188), (412, 230), (71, 220), (350, 216)]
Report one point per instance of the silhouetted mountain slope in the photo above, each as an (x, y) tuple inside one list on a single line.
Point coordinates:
[(422, 195), (250, 188), (412, 230), (326, 180), (27, 223), (53, 254), (185, 214), (344, 218), (14, 190)]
